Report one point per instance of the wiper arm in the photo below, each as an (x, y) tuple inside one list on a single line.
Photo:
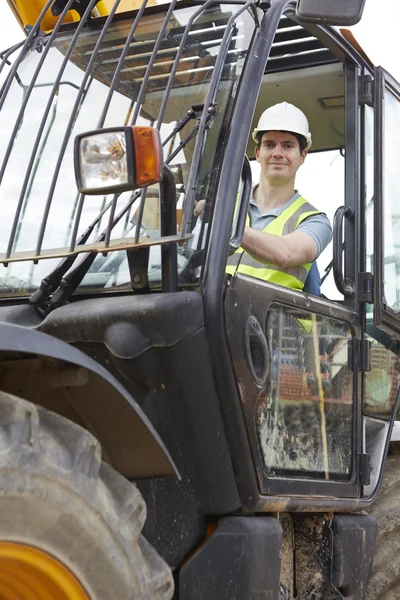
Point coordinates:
[(183, 143), (51, 282), (73, 278), (194, 112)]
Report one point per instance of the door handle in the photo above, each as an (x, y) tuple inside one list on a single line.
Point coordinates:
[(344, 284)]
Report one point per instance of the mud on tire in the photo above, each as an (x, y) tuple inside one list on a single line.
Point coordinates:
[(384, 583), (57, 494)]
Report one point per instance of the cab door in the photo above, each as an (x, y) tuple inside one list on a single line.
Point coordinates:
[(386, 261), (297, 361), (381, 135)]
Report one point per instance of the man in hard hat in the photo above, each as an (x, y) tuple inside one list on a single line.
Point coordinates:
[(284, 234)]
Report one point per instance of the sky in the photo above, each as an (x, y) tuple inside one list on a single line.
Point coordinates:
[(10, 31), (377, 33)]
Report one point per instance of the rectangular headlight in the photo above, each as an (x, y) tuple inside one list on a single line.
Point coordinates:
[(114, 160)]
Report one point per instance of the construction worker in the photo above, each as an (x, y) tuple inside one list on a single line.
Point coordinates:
[(284, 234)]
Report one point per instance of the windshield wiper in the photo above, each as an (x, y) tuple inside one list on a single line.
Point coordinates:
[(68, 284), (51, 282), (73, 278)]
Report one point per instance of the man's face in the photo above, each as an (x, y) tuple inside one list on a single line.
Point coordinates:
[(279, 156)]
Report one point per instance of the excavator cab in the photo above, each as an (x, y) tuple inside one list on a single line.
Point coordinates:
[(276, 407)]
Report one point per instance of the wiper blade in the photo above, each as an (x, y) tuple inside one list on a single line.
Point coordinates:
[(194, 112), (73, 278), (183, 143), (51, 282)]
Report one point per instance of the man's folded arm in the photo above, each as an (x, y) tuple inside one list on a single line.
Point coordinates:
[(297, 248)]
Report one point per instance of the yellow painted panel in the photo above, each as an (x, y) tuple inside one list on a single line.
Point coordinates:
[(124, 5), (27, 12)]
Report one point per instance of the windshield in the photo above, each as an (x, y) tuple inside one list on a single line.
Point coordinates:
[(36, 150)]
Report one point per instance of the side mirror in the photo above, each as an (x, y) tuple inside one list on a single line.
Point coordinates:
[(330, 12), (117, 159)]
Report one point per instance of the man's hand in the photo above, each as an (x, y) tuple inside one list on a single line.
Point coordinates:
[(297, 248), (199, 209)]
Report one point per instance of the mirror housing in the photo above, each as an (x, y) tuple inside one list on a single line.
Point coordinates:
[(330, 12), (117, 159)]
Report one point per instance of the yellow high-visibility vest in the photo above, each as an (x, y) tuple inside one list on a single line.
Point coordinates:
[(287, 222)]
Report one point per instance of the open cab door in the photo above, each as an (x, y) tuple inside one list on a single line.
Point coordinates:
[(298, 358), (386, 261)]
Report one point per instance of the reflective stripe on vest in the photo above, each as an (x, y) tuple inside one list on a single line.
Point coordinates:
[(287, 222)]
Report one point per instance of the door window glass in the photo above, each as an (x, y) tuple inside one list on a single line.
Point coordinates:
[(381, 381), (369, 188), (321, 181), (391, 207), (304, 419)]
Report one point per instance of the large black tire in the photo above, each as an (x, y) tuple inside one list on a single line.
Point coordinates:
[(57, 495), (384, 583)]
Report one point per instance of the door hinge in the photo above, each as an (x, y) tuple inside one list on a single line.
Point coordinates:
[(138, 263), (366, 287), (364, 469), (366, 90), (361, 349)]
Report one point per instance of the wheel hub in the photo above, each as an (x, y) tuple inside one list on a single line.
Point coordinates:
[(27, 573)]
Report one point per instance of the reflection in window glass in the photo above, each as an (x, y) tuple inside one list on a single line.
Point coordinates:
[(304, 420), (381, 382), (391, 206)]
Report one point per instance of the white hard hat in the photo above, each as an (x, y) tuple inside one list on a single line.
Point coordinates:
[(283, 117)]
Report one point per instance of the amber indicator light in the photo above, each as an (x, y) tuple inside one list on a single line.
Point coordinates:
[(147, 148)]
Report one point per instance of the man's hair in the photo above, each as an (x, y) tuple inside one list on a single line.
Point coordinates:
[(300, 138)]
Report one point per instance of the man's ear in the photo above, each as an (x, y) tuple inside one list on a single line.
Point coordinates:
[(304, 155), (256, 152)]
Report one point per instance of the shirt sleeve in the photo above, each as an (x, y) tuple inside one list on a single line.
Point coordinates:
[(319, 228)]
